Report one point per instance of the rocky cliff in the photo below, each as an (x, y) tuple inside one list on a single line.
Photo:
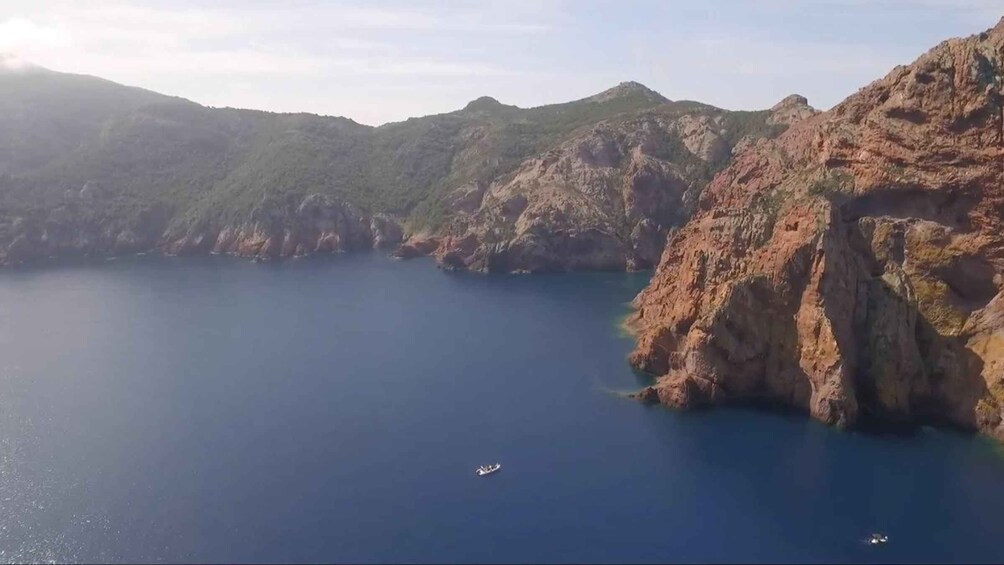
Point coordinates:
[(319, 224), (84, 224), (603, 199), (852, 267)]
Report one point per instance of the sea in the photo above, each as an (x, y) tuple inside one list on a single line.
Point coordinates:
[(334, 409)]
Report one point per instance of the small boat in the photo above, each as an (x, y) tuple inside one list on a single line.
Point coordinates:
[(488, 469), (877, 539)]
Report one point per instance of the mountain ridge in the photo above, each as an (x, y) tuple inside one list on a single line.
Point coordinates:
[(168, 173)]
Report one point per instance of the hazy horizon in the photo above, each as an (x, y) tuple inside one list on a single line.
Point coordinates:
[(380, 62)]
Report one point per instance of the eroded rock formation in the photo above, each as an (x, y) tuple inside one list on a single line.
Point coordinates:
[(318, 224), (852, 267), (604, 199)]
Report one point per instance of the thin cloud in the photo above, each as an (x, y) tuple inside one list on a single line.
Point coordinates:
[(21, 34), (352, 17), (749, 56), (977, 7), (125, 41), (383, 60)]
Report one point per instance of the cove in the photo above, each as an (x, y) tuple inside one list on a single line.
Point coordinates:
[(334, 409)]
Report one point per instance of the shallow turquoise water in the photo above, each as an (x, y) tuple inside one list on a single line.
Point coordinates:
[(334, 409)]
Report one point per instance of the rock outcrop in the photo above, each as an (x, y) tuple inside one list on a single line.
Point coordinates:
[(791, 109), (318, 224), (853, 266), (78, 226), (603, 200), (628, 89)]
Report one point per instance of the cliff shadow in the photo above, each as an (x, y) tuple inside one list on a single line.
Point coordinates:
[(907, 373)]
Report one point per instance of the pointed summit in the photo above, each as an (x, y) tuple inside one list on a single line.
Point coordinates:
[(488, 106), (790, 101), (792, 108), (483, 104), (628, 89)]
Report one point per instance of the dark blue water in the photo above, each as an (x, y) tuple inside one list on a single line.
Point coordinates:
[(335, 409)]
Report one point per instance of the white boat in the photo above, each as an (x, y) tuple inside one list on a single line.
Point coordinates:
[(877, 539), (488, 469)]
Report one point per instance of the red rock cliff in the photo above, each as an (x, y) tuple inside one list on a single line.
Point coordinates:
[(853, 266)]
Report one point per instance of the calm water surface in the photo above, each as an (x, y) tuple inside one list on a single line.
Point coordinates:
[(334, 410)]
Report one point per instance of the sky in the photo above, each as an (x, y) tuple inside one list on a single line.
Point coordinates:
[(384, 60)]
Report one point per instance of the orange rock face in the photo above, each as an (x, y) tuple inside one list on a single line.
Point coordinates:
[(853, 266)]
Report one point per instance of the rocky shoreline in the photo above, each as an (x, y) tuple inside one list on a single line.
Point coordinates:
[(853, 267), (848, 264), (320, 224)]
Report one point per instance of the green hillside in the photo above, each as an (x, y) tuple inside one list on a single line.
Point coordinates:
[(155, 162)]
